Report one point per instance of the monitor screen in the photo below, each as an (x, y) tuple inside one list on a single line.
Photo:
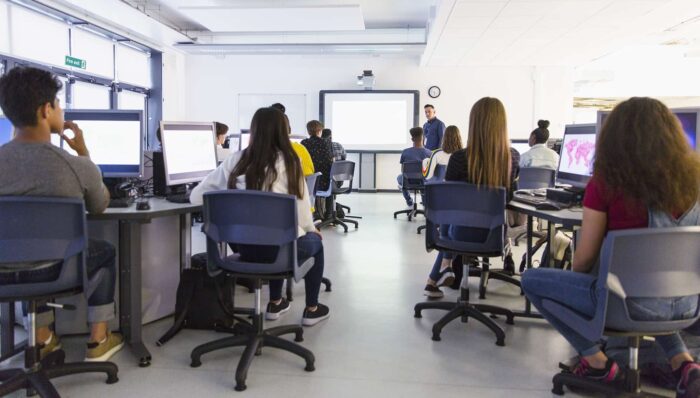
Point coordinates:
[(245, 138), (521, 146), (5, 131), (114, 139), (689, 119), (577, 155), (189, 151)]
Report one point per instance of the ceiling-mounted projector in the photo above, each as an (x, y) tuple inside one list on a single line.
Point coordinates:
[(366, 79)]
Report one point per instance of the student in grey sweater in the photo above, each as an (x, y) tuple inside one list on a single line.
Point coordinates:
[(31, 166)]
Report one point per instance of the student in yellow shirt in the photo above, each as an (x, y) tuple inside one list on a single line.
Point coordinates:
[(307, 165)]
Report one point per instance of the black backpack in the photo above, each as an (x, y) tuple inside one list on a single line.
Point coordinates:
[(202, 301)]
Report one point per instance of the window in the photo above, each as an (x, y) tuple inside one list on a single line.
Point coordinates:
[(131, 100), (98, 52), (48, 44), (90, 96), (133, 66)]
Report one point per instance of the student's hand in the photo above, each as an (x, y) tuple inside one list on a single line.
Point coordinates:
[(77, 143)]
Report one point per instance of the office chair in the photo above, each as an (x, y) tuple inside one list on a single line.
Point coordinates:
[(534, 178), (629, 268), (53, 231), (341, 171), (312, 184), (480, 213), (254, 218), (438, 175), (413, 180)]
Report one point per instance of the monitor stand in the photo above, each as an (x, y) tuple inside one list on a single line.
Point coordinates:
[(178, 193)]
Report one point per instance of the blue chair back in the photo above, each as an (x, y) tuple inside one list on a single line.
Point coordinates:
[(252, 218), (42, 229), (439, 173), (412, 173), (639, 263), (477, 210), (536, 178), (312, 185), (342, 171)]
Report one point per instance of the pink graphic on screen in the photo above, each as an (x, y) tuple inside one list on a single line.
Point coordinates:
[(578, 154)]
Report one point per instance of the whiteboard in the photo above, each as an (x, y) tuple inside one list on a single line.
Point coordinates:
[(295, 105)]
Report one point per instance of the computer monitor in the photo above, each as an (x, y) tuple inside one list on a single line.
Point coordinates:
[(577, 155), (520, 145), (245, 138), (189, 151), (689, 118), (6, 130), (114, 139), (690, 121)]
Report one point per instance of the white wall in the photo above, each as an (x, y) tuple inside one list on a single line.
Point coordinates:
[(213, 84)]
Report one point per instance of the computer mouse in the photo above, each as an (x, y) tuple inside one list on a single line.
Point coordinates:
[(547, 206), (143, 205)]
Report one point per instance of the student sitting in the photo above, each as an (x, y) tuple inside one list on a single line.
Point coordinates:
[(322, 156), (270, 164), (416, 153), (221, 152), (338, 150), (539, 155), (486, 161), (307, 165), (635, 181), (32, 166), (451, 143)]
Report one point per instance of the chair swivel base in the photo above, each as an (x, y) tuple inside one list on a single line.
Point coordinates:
[(335, 220), (628, 387), (253, 343), (38, 377), (464, 309), (411, 213)]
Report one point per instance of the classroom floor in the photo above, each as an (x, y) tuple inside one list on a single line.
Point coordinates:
[(372, 346)]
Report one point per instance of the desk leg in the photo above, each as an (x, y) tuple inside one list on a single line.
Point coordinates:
[(528, 313), (130, 289), (8, 349), (185, 241), (550, 236)]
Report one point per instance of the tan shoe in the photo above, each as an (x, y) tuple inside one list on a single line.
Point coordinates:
[(47, 347), (100, 352)]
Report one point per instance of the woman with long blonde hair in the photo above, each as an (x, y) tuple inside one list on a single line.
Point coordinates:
[(486, 161)]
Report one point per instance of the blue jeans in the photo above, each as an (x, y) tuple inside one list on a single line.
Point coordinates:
[(309, 245), (577, 291), (100, 255), (454, 233)]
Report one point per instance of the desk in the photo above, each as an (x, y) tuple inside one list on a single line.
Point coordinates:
[(130, 223), (568, 218)]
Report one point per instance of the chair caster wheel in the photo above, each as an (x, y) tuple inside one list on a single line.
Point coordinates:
[(309, 368), (418, 314), (112, 380), (436, 337), (144, 363), (500, 343), (510, 321), (195, 363), (240, 387), (299, 338)]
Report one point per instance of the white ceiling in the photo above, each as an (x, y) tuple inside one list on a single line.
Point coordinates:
[(547, 32)]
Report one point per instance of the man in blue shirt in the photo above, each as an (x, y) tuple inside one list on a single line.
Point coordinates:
[(416, 153), (433, 129)]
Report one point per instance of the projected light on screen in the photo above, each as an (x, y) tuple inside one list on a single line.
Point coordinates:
[(360, 122), (374, 120)]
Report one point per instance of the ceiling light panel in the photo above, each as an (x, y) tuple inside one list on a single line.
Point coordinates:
[(287, 19)]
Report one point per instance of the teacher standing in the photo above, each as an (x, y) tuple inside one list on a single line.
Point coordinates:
[(433, 129)]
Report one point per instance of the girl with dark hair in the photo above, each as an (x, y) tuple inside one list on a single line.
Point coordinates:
[(270, 164), (636, 182), (539, 155)]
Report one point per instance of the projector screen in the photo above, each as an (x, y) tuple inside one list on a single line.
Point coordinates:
[(373, 120)]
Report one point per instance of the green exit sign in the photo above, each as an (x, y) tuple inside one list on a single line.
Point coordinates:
[(75, 62)]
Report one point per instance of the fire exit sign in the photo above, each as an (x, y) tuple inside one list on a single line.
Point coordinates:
[(75, 62)]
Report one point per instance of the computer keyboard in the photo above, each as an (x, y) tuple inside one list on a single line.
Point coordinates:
[(178, 198), (528, 199), (120, 202)]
